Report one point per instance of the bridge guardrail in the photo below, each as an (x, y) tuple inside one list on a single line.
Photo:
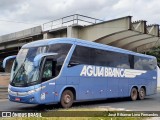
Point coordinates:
[(75, 19)]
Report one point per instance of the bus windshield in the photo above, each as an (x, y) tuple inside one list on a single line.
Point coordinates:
[(23, 71)]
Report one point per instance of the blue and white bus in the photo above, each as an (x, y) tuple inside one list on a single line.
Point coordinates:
[(65, 70)]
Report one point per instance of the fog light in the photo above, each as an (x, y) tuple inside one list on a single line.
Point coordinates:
[(31, 99)]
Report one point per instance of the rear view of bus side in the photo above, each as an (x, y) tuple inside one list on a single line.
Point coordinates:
[(76, 70)]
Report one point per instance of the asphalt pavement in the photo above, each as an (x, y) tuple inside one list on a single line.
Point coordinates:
[(150, 103)]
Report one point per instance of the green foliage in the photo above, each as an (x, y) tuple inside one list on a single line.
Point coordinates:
[(155, 52)]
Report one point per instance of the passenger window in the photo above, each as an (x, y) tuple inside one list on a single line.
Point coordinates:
[(81, 55), (98, 57), (110, 59), (62, 50), (142, 63), (49, 70)]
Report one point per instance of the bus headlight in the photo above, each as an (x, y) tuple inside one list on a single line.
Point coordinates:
[(25, 93), (31, 92), (35, 90)]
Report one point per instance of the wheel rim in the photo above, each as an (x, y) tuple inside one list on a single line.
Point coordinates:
[(134, 94), (141, 94), (67, 99)]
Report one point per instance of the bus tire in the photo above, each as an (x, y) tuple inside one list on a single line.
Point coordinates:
[(142, 93), (134, 94), (67, 99)]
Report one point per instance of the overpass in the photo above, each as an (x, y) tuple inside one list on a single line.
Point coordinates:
[(121, 32)]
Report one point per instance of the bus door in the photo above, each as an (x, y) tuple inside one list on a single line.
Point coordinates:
[(47, 74)]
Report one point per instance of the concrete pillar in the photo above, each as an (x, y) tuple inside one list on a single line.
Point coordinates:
[(153, 30), (72, 32), (140, 26), (47, 35)]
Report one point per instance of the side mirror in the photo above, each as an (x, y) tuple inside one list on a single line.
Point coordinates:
[(38, 58), (4, 65)]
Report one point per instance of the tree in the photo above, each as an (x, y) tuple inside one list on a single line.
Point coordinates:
[(155, 52)]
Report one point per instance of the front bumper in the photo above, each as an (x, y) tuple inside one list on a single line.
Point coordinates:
[(29, 99)]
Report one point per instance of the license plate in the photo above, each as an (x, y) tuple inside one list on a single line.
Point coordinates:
[(17, 99)]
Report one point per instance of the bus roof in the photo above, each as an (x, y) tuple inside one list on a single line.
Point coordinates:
[(46, 42)]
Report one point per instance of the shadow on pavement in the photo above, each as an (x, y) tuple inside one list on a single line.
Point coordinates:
[(89, 104)]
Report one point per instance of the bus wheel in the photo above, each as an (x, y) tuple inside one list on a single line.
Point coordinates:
[(67, 99), (141, 94), (134, 94)]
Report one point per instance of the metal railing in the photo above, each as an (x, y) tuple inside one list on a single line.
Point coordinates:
[(75, 19)]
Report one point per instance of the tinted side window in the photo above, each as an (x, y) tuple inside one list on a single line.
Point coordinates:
[(97, 57), (123, 61), (142, 63), (110, 59), (62, 50), (81, 55)]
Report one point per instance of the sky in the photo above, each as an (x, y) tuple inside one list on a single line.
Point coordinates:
[(16, 15)]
